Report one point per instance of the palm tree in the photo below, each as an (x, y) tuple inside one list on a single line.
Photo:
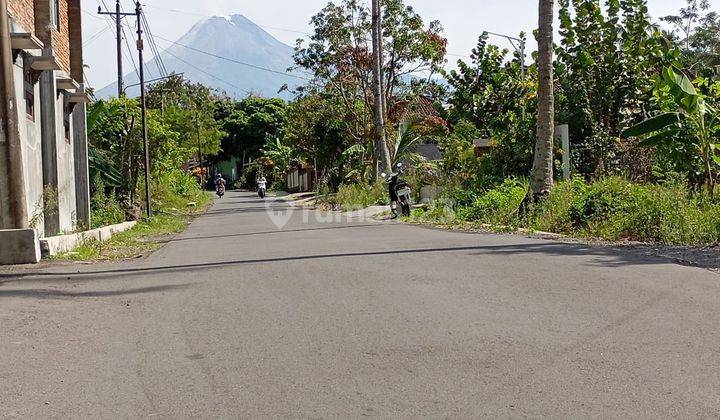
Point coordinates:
[(541, 176)]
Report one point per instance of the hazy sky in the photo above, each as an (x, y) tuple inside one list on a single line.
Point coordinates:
[(463, 20)]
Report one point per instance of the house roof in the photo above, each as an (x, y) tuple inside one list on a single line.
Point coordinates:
[(430, 152)]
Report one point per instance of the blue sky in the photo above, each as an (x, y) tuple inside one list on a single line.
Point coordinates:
[(463, 20)]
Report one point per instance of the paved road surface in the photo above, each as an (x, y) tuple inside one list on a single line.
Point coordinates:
[(237, 319)]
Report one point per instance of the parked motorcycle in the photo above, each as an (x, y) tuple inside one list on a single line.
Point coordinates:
[(399, 191)]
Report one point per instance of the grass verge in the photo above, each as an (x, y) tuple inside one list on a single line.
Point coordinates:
[(146, 237), (611, 209)]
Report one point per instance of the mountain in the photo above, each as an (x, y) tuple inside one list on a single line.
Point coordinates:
[(234, 37)]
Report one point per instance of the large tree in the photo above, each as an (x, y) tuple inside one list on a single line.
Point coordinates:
[(339, 58), (541, 176)]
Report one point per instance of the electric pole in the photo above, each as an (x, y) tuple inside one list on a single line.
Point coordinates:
[(381, 151), (200, 154), (146, 151), (118, 29)]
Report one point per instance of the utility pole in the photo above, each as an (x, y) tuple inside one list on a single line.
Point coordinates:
[(381, 151), (118, 29), (200, 156), (520, 48), (146, 151)]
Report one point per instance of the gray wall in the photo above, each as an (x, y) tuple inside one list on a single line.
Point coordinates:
[(30, 138), (66, 170)]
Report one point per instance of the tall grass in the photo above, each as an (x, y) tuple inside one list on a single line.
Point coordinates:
[(612, 209)]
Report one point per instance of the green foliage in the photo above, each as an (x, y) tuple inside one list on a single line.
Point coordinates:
[(248, 124), (358, 196), (694, 122), (606, 62), (279, 156), (498, 205), (612, 209), (339, 60), (491, 95), (105, 209)]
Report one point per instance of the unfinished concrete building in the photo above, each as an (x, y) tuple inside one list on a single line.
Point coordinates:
[(44, 188)]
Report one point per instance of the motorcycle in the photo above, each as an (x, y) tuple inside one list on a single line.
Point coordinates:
[(220, 190), (261, 192), (399, 191)]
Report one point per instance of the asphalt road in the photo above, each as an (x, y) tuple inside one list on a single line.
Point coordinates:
[(236, 318)]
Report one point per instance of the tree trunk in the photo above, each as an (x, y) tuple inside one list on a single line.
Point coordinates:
[(381, 150), (541, 176)]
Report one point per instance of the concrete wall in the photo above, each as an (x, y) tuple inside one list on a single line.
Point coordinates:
[(30, 138), (66, 170)]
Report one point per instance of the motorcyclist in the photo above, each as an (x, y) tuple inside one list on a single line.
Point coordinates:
[(262, 182), (219, 182)]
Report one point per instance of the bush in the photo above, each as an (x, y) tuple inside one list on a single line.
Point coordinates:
[(358, 196), (615, 209), (611, 209), (496, 206), (105, 209)]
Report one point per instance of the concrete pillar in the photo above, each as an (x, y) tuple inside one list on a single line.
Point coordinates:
[(13, 209), (82, 176), (48, 121)]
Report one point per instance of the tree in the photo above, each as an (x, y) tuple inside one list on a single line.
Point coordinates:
[(541, 175), (382, 155), (687, 19), (694, 121), (340, 60), (248, 125)]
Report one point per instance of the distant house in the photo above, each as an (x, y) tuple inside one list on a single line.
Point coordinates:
[(481, 147), (431, 152), (300, 178)]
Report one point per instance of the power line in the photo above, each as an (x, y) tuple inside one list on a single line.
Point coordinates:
[(208, 74), (153, 46), (233, 60), (241, 23), (95, 36)]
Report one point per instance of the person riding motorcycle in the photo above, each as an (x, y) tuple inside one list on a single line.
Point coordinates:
[(219, 185), (262, 186)]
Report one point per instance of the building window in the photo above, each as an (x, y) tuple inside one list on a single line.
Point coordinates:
[(29, 95), (66, 123), (55, 13)]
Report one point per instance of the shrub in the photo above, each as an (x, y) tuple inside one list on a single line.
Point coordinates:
[(498, 205), (612, 209), (105, 209), (358, 196), (615, 209)]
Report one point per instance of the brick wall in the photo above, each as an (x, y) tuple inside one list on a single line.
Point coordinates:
[(22, 11), (61, 38), (57, 38)]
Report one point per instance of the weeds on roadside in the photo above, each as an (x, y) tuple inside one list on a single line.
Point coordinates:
[(611, 209)]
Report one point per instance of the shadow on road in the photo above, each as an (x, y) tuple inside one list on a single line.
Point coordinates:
[(604, 256), (62, 294), (271, 232)]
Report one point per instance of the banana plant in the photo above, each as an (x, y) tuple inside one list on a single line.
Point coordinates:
[(404, 141), (692, 112), (99, 165)]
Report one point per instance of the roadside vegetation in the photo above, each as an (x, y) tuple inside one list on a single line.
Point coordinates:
[(640, 99)]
